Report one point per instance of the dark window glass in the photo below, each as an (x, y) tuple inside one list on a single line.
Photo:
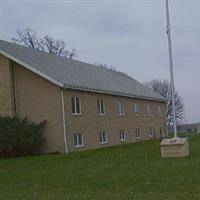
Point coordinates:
[(75, 140), (80, 142), (73, 105), (77, 105), (98, 106), (102, 107)]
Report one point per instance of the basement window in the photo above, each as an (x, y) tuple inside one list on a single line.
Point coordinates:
[(122, 135), (101, 107), (103, 137), (137, 133), (162, 132), (151, 132), (78, 140), (76, 105)]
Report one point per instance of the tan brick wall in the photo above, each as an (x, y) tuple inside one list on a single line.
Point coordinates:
[(40, 100), (89, 123), (6, 96)]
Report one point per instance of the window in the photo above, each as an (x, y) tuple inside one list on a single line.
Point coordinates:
[(149, 111), (101, 107), (102, 137), (76, 105), (137, 133), (122, 135), (162, 132), (120, 108), (159, 111), (151, 132), (136, 109), (78, 140)]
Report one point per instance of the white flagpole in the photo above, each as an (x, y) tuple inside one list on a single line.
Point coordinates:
[(171, 68), (1, 19)]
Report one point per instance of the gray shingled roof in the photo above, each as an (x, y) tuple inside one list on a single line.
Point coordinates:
[(75, 74)]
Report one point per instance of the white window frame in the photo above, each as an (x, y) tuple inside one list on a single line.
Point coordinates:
[(136, 109), (101, 102), (149, 110), (138, 134), (162, 132), (160, 111), (77, 140), (101, 137), (122, 133), (121, 108), (151, 132), (75, 108)]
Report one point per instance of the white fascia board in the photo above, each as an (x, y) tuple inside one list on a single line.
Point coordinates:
[(114, 93)]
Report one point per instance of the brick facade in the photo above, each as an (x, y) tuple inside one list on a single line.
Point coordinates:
[(6, 90), (90, 123), (39, 100)]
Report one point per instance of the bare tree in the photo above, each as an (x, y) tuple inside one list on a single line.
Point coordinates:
[(163, 88), (47, 43), (27, 37), (105, 66)]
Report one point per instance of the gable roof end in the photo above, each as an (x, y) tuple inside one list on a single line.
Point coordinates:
[(31, 68)]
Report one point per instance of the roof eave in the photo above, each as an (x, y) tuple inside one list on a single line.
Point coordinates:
[(113, 93)]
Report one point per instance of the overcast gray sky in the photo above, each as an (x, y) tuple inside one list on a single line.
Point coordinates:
[(130, 35)]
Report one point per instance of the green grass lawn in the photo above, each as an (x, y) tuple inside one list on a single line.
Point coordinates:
[(133, 171)]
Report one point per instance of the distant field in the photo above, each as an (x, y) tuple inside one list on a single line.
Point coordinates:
[(133, 171)]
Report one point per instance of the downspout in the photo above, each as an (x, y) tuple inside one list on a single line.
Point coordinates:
[(15, 89), (64, 121)]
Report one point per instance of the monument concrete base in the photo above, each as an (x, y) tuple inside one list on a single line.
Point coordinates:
[(174, 147)]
